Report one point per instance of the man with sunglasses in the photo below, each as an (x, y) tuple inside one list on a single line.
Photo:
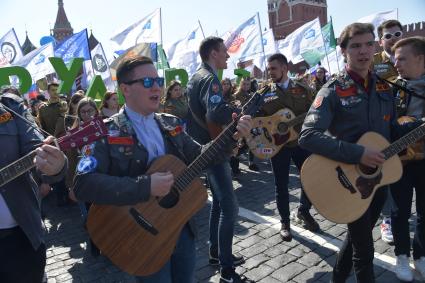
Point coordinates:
[(115, 171), (389, 33)]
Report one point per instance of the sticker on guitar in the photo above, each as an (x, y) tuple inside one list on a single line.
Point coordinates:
[(269, 134)]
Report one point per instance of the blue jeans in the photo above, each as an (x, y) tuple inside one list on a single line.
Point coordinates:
[(224, 211), (181, 266), (388, 206), (280, 165)]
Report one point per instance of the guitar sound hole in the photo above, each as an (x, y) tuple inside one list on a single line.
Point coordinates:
[(170, 200), (282, 128), (366, 170)]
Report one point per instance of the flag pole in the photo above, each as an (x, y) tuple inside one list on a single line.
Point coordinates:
[(336, 50), (162, 45), (262, 44), (202, 30), (326, 52)]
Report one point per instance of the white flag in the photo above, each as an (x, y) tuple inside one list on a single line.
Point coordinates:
[(269, 48), (379, 18), (37, 62), (244, 41), (101, 66), (336, 61), (305, 38), (184, 53), (147, 29), (11, 50)]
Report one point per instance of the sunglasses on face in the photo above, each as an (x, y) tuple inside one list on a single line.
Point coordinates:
[(148, 82), (388, 36)]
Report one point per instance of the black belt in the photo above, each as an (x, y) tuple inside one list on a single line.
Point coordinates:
[(9, 231)]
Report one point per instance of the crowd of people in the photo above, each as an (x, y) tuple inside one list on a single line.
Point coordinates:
[(370, 94)]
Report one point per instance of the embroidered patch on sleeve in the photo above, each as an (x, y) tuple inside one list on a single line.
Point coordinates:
[(215, 88), (215, 99), (318, 102)]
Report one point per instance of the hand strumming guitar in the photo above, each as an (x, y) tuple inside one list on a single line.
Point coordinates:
[(49, 159), (161, 183)]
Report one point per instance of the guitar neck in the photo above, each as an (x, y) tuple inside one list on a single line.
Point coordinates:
[(403, 142), (17, 168), (297, 120), (207, 157)]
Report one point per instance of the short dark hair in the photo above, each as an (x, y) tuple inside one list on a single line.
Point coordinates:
[(126, 67), (354, 29), (279, 57), (41, 97), (388, 24), (52, 84), (417, 43), (209, 44)]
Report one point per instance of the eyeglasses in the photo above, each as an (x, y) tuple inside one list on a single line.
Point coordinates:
[(388, 36), (148, 81)]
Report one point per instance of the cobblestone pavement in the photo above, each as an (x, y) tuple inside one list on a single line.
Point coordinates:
[(308, 258)]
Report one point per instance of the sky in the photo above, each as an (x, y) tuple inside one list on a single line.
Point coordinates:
[(178, 17)]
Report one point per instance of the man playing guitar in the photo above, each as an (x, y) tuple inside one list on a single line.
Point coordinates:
[(298, 98), (348, 106)]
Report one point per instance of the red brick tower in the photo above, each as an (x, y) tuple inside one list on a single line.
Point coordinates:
[(285, 16), (62, 27)]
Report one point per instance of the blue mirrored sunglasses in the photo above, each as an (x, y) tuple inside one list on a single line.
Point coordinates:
[(148, 81)]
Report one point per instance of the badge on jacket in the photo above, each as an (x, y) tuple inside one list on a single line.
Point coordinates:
[(5, 117), (87, 164)]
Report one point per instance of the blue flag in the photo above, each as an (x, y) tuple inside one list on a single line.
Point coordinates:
[(76, 46)]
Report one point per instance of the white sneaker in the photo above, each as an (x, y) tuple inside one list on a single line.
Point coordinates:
[(402, 268), (419, 265), (386, 233)]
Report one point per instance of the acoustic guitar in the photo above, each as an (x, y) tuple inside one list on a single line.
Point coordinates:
[(85, 134), (269, 134), (343, 192), (140, 238)]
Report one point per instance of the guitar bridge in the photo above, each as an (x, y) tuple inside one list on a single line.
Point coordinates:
[(344, 180), (142, 221)]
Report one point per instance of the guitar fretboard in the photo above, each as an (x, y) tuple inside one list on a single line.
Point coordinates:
[(297, 120), (403, 142), (218, 145), (17, 168)]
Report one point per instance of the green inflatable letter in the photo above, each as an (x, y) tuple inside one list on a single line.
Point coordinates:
[(24, 76), (67, 76)]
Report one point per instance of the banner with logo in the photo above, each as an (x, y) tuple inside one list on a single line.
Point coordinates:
[(37, 62), (76, 46), (184, 53), (244, 41), (10, 49), (147, 30), (101, 66)]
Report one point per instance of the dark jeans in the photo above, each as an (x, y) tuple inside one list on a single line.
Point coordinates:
[(19, 262), (224, 210), (280, 165), (402, 192), (357, 248), (181, 266), (61, 191)]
